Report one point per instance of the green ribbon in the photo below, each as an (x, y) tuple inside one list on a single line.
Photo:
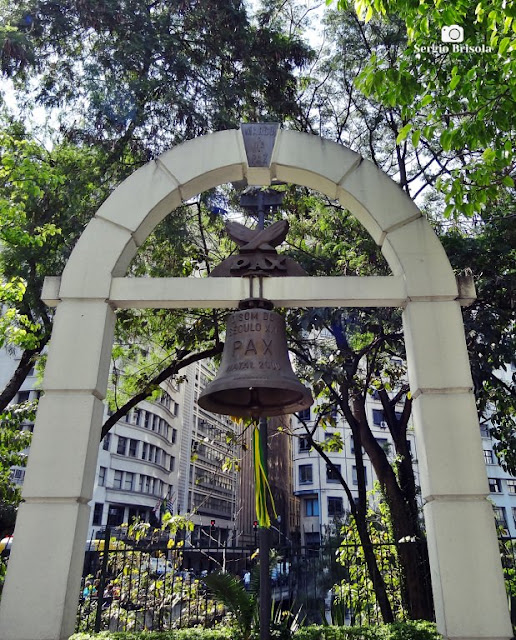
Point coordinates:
[(261, 483)]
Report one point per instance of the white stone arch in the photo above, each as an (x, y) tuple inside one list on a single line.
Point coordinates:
[(40, 596)]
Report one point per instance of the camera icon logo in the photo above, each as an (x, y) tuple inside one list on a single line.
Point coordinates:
[(453, 33)]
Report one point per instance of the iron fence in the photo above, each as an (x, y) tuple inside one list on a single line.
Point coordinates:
[(156, 584)]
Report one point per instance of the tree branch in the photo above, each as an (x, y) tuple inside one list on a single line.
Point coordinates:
[(169, 371), (18, 378)]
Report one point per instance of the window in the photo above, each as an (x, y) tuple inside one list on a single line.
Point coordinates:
[(115, 515), (17, 475), (355, 476), (352, 444), (117, 481), (384, 444), (122, 444), (312, 539), (495, 485), (500, 517), (133, 448), (484, 431), (305, 474), (128, 481), (137, 416), (174, 436), (102, 476), (304, 444), (304, 415), (145, 447), (97, 513), (106, 442), (511, 486), (488, 456), (23, 396), (378, 417), (514, 514), (335, 506), (333, 475), (175, 409), (147, 422), (172, 463), (311, 507)]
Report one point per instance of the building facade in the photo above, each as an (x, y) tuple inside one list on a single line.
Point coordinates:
[(171, 452), (323, 501)]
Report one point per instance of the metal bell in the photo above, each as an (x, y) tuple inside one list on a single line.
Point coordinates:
[(255, 378)]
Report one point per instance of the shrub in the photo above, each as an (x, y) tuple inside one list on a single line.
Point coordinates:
[(419, 630), (179, 634)]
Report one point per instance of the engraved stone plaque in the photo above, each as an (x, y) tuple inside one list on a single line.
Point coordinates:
[(259, 138)]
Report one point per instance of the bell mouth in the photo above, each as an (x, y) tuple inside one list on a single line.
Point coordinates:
[(254, 402)]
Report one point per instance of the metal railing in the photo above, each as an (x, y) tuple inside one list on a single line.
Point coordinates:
[(156, 584)]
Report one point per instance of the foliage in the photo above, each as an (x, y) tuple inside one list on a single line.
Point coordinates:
[(230, 591), (137, 85), (398, 631), (415, 630), (139, 596), (244, 607), (453, 100), (186, 69), (13, 442), (46, 199), (356, 592), (222, 633)]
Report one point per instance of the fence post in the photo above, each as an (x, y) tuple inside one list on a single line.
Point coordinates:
[(102, 580)]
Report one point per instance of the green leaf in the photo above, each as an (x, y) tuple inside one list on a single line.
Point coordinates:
[(489, 155), (404, 131), (445, 139), (504, 45), (415, 138), (508, 181), (454, 82)]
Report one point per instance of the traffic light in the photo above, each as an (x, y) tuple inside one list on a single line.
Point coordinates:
[(212, 523), (255, 525)]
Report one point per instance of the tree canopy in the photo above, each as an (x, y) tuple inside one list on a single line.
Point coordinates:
[(455, 95)]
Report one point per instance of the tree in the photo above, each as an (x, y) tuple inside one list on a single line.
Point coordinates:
[(46, 199), (454, 99), (147, 77), (150, 75)]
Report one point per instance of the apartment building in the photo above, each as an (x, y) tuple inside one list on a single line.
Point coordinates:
[(172, 450), (168, 451), (323, 500)]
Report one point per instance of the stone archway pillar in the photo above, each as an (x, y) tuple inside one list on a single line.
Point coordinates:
[(467, 581), (46, 564)]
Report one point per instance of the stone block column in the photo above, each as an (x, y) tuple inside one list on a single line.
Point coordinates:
[(41, 592), (467, 579)]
